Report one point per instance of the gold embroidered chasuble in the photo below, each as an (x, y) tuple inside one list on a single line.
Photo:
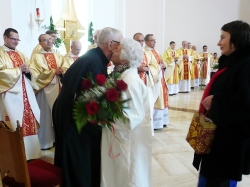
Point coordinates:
[(143, 74), (69, 59), (39, 48), (205, 69), (162, 100), (185, 65), (195, 66), (172, 75), (43, 66), (152, 64), (10, 73)]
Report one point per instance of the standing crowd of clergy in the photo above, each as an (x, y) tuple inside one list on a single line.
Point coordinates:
[(29, 87), (187, 68), (176, 71)]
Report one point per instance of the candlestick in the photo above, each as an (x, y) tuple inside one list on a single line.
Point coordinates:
[(37, 12)]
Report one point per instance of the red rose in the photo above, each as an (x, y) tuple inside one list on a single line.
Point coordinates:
[(100, 79), (92, 108), (86, 84), (121, 85), (112, 95)]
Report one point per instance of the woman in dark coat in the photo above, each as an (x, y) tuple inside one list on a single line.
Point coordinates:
[(227, 101)]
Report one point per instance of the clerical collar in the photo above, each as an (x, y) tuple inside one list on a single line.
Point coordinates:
[(149, 48), (9, 47), (44, 51)]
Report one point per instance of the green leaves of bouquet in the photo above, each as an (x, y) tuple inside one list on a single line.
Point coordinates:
[(100, 101)]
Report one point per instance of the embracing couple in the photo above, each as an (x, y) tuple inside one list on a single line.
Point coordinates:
[(84, 157)]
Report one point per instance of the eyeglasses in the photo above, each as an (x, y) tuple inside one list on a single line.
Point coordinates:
[(14, 39), (115, 41), (151, 40)]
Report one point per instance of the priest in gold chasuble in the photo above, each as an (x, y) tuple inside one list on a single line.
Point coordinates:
[(186, 58), (149, 73), (47, 67), (171, 58), (17, 99), (195, 67), (53, 35), (72, 55), (205, 66), (160, 115)]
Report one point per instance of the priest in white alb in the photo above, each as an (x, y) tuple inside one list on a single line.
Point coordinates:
[(172, 76), (186, 58), (205, 66), (160, 116), (17, 99), (47, 67), (149, 74)]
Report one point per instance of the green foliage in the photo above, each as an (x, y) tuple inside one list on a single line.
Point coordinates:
[(108, 112), (216, 66), (90, 33)]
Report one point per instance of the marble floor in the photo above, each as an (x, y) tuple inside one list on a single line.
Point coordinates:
[(172, 155)]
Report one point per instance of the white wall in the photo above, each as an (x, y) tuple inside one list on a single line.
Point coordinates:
[(198, 22), (19, 14), (5, 17), (194, 20), (244, 10)]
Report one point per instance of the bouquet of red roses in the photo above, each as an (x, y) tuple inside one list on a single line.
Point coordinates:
[(100, 101)]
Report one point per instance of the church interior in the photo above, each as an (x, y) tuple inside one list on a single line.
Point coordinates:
[(195, 21)]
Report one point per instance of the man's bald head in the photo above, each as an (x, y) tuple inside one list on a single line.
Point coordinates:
[(76, 47)]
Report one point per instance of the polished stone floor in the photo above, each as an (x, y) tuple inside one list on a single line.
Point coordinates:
[(172, 155)]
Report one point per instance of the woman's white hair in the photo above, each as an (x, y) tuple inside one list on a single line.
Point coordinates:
[(131, 51), (107, 34)]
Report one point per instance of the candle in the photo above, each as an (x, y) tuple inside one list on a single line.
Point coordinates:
[(37, 12)]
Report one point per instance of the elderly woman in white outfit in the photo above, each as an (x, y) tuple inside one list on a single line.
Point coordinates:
[(132, 168)]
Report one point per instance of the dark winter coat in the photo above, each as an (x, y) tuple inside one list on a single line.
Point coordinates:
[(230, 111), (79, 155)]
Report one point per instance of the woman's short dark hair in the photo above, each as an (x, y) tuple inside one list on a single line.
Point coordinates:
[(240, 33)]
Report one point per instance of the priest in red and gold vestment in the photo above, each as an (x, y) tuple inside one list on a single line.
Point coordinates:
[(160, 116), (186, 58), (149, 74), (195, 77), (205, 66), (17, 99), (47, 67)]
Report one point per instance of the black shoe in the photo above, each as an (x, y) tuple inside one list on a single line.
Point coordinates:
[(165, 126), (192, 87), (170, 94)]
